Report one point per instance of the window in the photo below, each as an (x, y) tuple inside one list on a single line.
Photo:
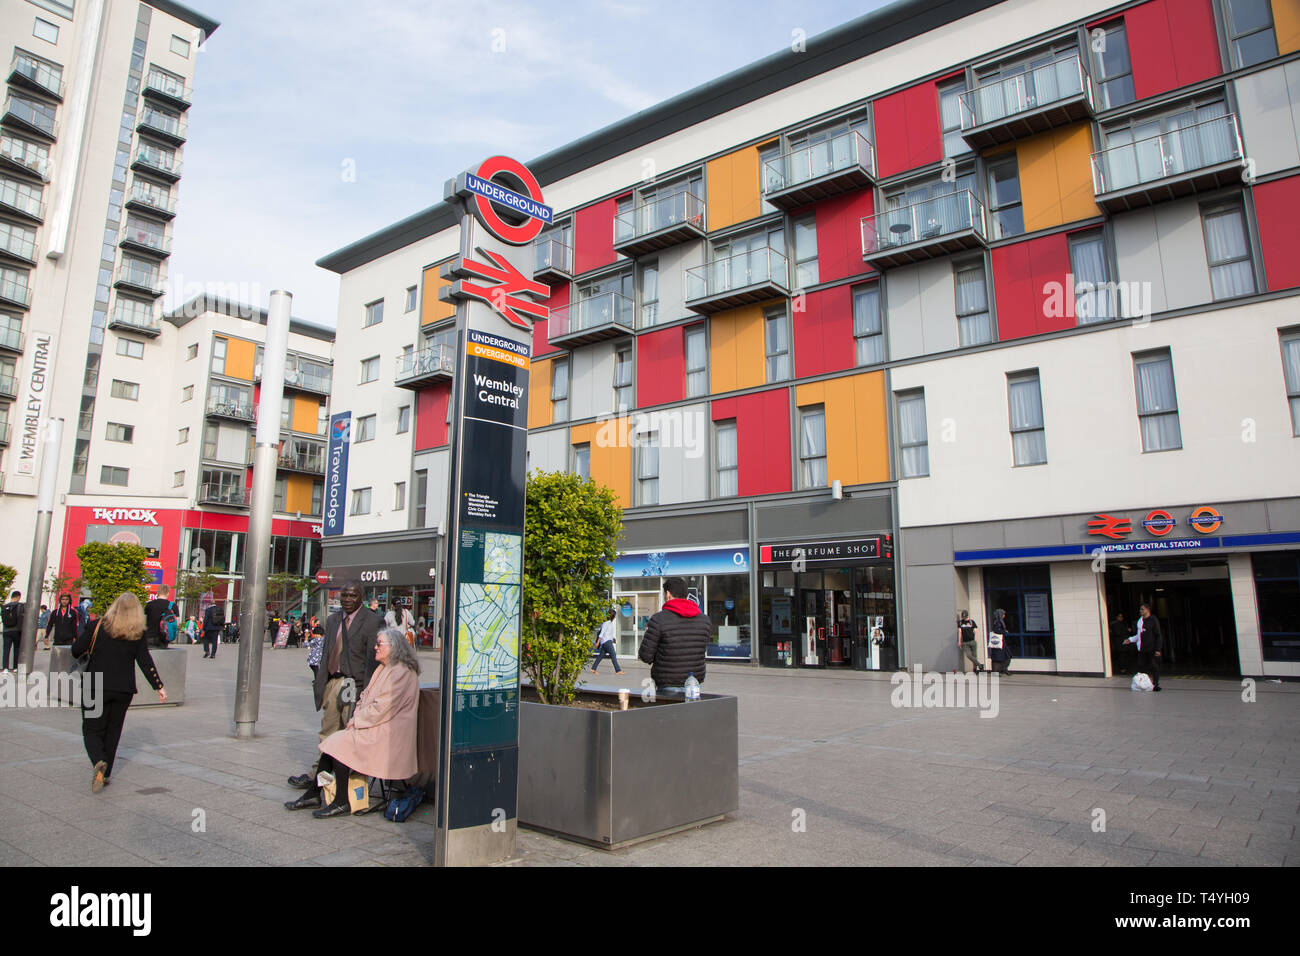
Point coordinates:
[(1025, 593), (219, 347), (1004, 198), (582, 461), (777, 343), (80, 452), (973, 324), (868, 335), (365, 429), (374, 313), (421, 496), (623, 379), (16, 239), (560, 390), (182, 436), (648, 468), (1277, 595), (281, 492), (180, 46), (399, 496), (360, 501), (1093, 298), (1112, 68), (1291, 371), (1251, 38), (805, 252), (649, 294), (913, 442), (603, 301), (697, 362), (130, 348), (370, 369), (317, 497), (411, 298), (1025, 405), (187, 393), (404, 419), (1228, 250), (108, 475), (812, 447), (724, 455), (192, 351), (772, 179), (1194, 135), (128, 390), (122, 433), (44, 30), (178, 478), (322, 419), (954, 144), (286, 415), (1157, 401)]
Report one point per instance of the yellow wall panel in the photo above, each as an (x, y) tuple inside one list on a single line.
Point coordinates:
[(1286, 24), (297, 496), (737, 357), (718, 191), (733, 188), (305, 415), (1074, 173), (539, 393), (240, 355), (1056, 177), (857, 450), (431, 310), (611, 455)]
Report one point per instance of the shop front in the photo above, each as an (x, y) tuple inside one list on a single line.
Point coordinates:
[(396, 570)]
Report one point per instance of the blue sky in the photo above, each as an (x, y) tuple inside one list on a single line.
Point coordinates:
[(315, 124)]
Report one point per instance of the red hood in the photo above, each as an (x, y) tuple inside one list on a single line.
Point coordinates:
[(682, 606)]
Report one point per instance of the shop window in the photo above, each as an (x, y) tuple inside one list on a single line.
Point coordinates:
[(726, 598), (1157, 401), (868, 333), (974, 324), (1004, 198), (913, 441), (1291, 371), (1093, 297), (812, 447), (560, 390), (1025, 593), (1251, 37), (1232, 272), (1111, 67), (697, 362), (1277, 594), (776, 337), (1025, 409), (724, 454)]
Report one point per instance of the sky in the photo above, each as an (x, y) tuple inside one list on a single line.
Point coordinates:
[(316, 124)]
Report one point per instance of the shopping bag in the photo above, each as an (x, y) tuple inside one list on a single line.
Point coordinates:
[(1141, 682), (358, 792), (325, 780)]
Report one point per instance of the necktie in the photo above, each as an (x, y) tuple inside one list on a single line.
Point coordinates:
[(336, 652)]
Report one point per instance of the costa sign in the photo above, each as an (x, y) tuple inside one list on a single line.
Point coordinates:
[(504, 182), (1158, 522)]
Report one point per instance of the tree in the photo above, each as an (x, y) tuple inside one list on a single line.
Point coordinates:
[(570, 536), (7, 575), (56, 583), (282, 587), (192, 585), (110, 570)]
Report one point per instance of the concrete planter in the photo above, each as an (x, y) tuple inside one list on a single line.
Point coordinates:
[(610, 778), (171, 662)]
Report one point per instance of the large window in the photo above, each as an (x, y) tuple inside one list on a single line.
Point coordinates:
[(777, 343), (1025, 407), (1004, 198), (648, 469), (868, 335), (1251, 38), (119, 432), (913, 440), (560, 390), (1111, 66), (812, 447), (974, 326), (1157, 401), (954, 144), (128, 390), (623, 379), (1148, 148), (724, 454), (1277, 593), (805, 252), (1291, 371), (1228, 250), (1025, 593), (1093, 297), (697, 362)]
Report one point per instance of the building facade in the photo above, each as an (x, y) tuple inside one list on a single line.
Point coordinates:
[(971, 306)]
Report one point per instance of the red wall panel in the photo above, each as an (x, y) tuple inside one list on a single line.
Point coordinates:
[(1277, 204), (431, 416), (907, 129), (839, 235), (762, 439), (661, 367), (593, 236), (1021, 276), (823, 332), (1171, 43), (559, 299)]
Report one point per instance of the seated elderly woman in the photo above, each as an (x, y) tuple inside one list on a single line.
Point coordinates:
[(379, 740)]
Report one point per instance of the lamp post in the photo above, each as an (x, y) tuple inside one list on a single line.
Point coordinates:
[(40, 542)]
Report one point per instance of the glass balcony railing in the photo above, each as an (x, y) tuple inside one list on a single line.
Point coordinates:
[(1062, 79), (147, 280), (551, 255), (17, 242), (136, 318), (1178, 152), (22, 198), (159, 160), (169, 86), (44, 75), (605, 309), (15, 292), (309, 378), (30, 156), (154, 199), (85, 421), (930, 220), (219, 494), (11, 339), (151, 239), (312, 462), (681, 208), (845, 151), (165, 123), (436, 360), (758, 267), (38, 116), (226, 408)]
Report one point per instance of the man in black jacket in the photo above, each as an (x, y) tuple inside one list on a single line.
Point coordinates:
[(214, 619), (675, 638), (1150, 642), (13, 612), (155, 613)]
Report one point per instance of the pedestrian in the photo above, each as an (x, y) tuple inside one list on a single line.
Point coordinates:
[(999, 643), (156, 613), (214, 619), (64, 622), (1150, 643), (83, 611), (42, 625), (675, 639), (295, 631), (1120, 631), (966, 641), (192, 629), (605, 644), (115, 648), (317, 632), (399, 618), (12, 616)]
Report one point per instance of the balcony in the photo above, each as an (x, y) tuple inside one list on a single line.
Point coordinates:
[(604, 316), (18, 198), (141, 321), (135, 279), (741, 279), (148, 241), (658, 224), (8, 386), (924, 230), (29, 117), (25, 157), (157, 162), (4, 433), (1014, 107), (12, 340), (15, 244), (1182, 162), (819, 171), (157, 202), (437, 363), (165, 126), (303, 378), (223, 495), (167, 89), (14, 292), (26, 70), (235, 411), (304, 464), (554, 261)]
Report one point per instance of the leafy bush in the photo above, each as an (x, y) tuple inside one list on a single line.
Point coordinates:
[(110, 570), (7, 575)]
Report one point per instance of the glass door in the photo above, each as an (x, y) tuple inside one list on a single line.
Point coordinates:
[(633, 616), (838, 591)]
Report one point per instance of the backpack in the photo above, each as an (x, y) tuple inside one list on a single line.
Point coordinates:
[(218, 615), (12, 616), (403, 805)]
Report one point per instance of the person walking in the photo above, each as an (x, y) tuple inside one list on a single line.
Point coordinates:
[(42, 625), (676, 638), (314, 644), (12, 616), (214, 619), (1150, 643), (156, 613), (605, 644), (295, 631), (966, 641), (115, 647), (64, 622), (999, 643)]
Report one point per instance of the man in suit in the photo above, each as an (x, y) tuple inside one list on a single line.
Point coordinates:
[(348, 653), (1150, 642)]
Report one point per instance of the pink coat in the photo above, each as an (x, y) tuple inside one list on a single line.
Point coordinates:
[(379, 741)]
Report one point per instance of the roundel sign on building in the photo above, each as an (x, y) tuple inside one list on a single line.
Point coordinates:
[(506, 198), (1159, 522), (1206, 520)]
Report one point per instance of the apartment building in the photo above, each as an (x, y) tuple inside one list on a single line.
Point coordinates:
[(962, 306)]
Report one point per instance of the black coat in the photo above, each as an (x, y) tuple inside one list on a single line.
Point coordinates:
[(154, 613), (211, 626), (116, 659), (674, 647), (62, 628), (357, 659), (1003, 653), (1152, 638)]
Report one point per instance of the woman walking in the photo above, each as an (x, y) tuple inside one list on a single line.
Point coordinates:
[(115, 647), (63, 622), (999, 643)]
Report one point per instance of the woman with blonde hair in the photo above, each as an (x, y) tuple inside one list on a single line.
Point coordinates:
[(114, 647)]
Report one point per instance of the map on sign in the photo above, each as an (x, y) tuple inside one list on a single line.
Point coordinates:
[(502, 558), (487, 650)]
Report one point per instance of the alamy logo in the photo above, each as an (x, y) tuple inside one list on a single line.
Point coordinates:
[(114, 515), (76, 909), (920, 689)]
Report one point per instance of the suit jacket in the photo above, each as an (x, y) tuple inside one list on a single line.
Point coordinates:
[(116, 659), (358, 657), (1152, 639)]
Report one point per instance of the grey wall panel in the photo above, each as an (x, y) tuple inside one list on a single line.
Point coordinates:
[(683, 454), (938, 295), (824, 516), (1031, 532), (930, 632), (1284, 514), (591, 381), (673, 263), (706, 528), (438, 464), (979, 535), (1138, 250), (903, 312), (1182, 254), (927, 545), (1267, 105), (549, 451)]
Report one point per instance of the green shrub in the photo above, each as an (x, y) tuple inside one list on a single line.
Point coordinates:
[(110, 570)]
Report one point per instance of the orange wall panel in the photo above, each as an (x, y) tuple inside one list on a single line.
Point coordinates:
[(737, 357), (732, 186), (857, 446), (1286, 25), (539, 393), (305, 415), (611, 455), (240, 356), (431, 309), (297, 495), (1056, 177)]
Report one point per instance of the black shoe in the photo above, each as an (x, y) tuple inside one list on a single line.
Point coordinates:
[(301, 782), (333, 810), (303, 802), (1157, 687)]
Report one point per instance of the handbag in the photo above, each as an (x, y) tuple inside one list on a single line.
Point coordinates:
[(84, 660)]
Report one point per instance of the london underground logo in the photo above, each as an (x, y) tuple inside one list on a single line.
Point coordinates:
[(1159, 522), (489, 187), (1206, 519)]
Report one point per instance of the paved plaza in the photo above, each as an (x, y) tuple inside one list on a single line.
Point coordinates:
[(830, 773)]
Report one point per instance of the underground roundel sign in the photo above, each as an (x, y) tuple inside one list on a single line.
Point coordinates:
[(506, 198)]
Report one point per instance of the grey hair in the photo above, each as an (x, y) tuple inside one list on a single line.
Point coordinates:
[(400, 651)]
